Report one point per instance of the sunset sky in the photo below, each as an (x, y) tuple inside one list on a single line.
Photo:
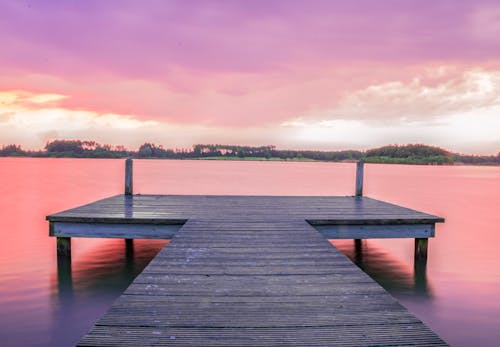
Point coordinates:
[(297, 74)]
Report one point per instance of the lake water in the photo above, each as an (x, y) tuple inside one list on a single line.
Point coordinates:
[(458, 297)]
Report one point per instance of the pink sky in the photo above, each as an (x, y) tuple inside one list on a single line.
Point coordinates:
[(297, 74)]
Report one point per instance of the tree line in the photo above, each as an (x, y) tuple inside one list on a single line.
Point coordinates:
[(398, 154)]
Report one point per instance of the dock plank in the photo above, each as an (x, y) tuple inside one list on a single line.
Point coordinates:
[(215, 293)]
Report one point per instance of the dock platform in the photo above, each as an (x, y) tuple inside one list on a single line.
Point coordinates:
[(251, 271)]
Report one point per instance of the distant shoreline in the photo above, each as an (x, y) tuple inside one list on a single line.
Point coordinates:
[(289, 160), (411, 154)]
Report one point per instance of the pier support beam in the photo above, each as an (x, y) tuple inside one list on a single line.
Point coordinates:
[(64, 247), (128, 176), (421, 250)]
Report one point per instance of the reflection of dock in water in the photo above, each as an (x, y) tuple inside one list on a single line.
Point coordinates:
[(250, 270), (110, 265), (398, 278), (97, 277)]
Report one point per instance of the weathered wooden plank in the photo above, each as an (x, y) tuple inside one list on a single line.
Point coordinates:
[(255, 293), (376, 231), (118, 230), (256, 316), (339, 301), (413, 334), (319, 210)]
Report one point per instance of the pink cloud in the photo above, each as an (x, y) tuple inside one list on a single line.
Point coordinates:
[(249, 63), (225, 99)]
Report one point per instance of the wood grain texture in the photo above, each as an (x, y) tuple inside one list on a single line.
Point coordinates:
[(373, 231), (250, 271), (114, 230), (129, 172), (252, 284), (318, 211), (359, 178)]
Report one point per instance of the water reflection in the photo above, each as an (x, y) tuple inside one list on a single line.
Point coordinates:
[(112, 264), (395, 276), (463, 261), (64, 276), (85, 288)]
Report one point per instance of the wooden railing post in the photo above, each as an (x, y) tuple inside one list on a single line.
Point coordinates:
[(359, 178), (128, 176)]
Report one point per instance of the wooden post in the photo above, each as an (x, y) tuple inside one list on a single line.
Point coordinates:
[(128, 176), (421, 250), (358, 244), (358, 251), (359, 192), (129, 244), (128, 191), (359, 178), (129, 255), (420, 276), (64, 278), (64, 247)]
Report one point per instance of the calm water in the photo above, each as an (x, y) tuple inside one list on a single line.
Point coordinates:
[(459, 297)]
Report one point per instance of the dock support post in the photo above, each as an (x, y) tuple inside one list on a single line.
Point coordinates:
[(358, 244), (358, 251), (129, 244), (359, 178), (421, 250), (359, 192), (64, 247), (129, 255), (64, 277), (128, 176)]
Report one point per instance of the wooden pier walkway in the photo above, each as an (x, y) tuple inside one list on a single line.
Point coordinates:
[(250, 271)]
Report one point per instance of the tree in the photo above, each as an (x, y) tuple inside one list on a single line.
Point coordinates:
[(11, 151), (145, 151), (74, 147)]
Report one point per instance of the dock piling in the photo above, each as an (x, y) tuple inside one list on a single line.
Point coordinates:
[(129, 176), (129, 244), (421, 250), (359, 178), (64, 247), (359, 190)]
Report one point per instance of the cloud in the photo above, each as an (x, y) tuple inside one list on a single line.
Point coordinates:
[(33, 126), (237, 63), (416, 101), (37, 116), (244, 71)]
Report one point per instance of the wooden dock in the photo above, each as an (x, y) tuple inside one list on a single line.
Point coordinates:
[(251, 271)]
